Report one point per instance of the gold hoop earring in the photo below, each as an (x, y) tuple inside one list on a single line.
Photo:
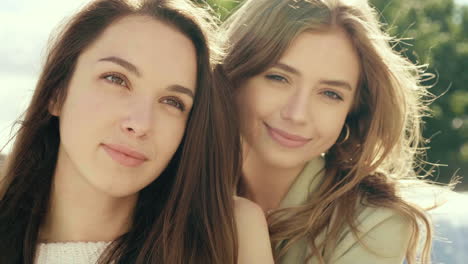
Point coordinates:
[(346, 137)]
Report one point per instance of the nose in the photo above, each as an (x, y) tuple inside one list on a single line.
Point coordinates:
[(138, 120), (296, 108)]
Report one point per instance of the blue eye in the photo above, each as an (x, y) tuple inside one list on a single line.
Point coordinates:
[(276, 77), (175, 102), (115, 79), (332, 95)]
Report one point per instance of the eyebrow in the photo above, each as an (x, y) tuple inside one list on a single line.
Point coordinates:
[(132, 68), (336, 83), (181, 89), (287, 68), (127, 65), (292, 70)]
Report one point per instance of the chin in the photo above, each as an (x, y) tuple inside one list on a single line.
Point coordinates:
[(284, 161), (118, 187), (123, 192)]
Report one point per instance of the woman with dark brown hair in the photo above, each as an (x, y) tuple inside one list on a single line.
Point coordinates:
[(126, 153)]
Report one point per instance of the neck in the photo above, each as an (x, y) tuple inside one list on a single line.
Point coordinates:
[(265, 184), (79, 212)]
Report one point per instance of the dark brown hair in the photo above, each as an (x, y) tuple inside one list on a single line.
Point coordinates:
[(186, 215)]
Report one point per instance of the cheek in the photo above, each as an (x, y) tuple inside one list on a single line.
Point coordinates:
[(257, 102), (86, 118), (92, 106), (266, 99), (168, 133), (81, 111), (330, 122)]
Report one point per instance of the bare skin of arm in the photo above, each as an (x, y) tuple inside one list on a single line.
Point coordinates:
[(252, 229)]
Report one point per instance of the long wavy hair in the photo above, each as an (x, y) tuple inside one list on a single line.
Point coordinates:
[(186, 215), (382, 153)]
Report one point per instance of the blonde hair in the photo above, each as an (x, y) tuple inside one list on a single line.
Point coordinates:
[(381, 153)]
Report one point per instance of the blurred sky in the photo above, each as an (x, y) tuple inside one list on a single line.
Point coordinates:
[(25, 26)]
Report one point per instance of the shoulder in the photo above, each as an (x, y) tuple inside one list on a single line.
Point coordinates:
[(370, 218), (384, 236), (252, 228), (249, 217), (245, 208)]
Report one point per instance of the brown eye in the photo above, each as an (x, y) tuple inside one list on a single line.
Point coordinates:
[(115, 79), (174, 102)]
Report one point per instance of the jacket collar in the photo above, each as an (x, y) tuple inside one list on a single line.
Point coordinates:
[(305, 183)]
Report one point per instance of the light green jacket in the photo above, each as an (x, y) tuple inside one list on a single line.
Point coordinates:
[(384, 231)]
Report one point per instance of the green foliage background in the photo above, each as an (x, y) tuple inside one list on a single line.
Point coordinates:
[(433, 32)]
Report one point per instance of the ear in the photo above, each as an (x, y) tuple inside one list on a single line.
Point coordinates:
[(54, 108)]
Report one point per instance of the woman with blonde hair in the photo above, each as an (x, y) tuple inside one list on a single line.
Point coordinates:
[(331, 128)]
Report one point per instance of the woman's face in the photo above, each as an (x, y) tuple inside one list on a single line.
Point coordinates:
[(295, 110), (127, 106)]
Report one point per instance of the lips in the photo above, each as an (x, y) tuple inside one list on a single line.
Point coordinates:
[(124, 155), (286, 139)]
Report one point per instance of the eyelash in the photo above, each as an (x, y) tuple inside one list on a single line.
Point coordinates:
[(277, 78), (333, 96), (175, 102), (110, 77), (172, 101)]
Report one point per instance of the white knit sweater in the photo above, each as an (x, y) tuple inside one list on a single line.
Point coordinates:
[(70, 252)]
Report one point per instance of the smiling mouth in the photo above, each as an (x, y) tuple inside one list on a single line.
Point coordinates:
[(124, 156), (286, 139)]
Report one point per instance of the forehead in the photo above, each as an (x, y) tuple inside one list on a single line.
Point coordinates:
[(155, 47), (324, 54)]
